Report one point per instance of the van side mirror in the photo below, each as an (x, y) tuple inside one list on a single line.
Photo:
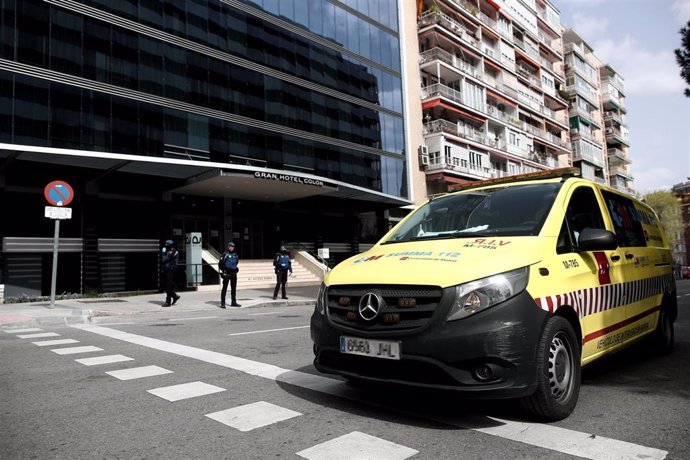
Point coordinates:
[(596, 239)]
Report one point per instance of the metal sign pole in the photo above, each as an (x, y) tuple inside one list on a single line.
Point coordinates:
[(56, 238)]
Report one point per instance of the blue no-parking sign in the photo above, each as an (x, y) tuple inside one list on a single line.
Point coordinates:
[(58, 193)]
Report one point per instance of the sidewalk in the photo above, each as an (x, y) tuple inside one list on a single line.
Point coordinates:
[(86, 309)]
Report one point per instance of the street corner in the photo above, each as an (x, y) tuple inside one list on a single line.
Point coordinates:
[(11, 319)]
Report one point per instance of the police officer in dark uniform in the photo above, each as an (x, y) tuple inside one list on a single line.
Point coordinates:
[(169, 261), (282, 265), (227, 266)]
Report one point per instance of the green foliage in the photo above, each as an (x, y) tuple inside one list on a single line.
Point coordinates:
[(667, 207), (683, 56)]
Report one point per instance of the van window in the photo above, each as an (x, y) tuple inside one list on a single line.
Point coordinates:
[(502, 211), (626, 220), (582, 212)]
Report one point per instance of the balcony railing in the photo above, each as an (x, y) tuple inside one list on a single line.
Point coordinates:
[(554, 44), (462, 167), (616, 83), (617, 156), (448, 23), (450, 59), (443, 91), (620, 171)]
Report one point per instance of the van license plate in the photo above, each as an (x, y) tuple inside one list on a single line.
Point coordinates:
[(375, 348)]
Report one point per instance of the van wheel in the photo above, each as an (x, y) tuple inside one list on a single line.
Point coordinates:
[(558, 373), (664, 335)]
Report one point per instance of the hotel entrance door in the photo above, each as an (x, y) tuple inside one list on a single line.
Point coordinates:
[(250, 242)]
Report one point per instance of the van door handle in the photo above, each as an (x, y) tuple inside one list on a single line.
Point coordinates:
[(629, 256), (615, 258)]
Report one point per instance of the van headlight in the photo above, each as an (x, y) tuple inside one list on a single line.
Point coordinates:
[(322, 299), (481, 294)]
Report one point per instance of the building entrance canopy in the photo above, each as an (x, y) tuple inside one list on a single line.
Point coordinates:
[(203, 178)]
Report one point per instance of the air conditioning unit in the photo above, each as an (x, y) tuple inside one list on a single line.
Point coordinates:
[(423, 155)]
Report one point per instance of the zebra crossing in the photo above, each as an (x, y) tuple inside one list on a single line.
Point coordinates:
[(244, 418)]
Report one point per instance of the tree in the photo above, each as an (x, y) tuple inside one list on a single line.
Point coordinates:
[(667, 207), (683, 56)]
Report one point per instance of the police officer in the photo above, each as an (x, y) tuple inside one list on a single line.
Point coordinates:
[(282, 265), (169, 261), (227, 266)]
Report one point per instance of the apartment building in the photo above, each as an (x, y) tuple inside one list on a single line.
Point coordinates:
[(490, 72), (616, 131), (583, 91)]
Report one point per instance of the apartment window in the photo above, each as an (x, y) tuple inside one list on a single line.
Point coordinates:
[(447, 153), (514, 138), (475, 159), (434, 158)]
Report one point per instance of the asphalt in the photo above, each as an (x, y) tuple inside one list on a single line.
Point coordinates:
[(86, 310)]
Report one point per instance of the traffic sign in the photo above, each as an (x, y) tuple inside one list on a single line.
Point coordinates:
[(53, 212), (58, 193)]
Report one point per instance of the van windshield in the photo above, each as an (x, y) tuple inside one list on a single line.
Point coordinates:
[(501, 211)]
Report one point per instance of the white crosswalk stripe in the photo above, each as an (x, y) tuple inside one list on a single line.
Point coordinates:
[(21, 331), (74, 350), (48, 343), (138, 372), (252, 416), (39, 335), (103, 360), (357, 445), (185, 390)]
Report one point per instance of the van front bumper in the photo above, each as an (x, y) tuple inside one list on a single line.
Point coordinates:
[(500, 342)]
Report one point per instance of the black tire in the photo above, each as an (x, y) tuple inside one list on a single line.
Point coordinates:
[(664, 335), (558, 373)]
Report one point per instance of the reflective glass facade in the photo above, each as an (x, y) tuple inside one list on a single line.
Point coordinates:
[(308, 83)]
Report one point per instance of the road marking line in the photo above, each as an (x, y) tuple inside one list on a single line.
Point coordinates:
[(265, 313), (365, 445), (73, 350), (47, 343), (269, 330), (185, 390), (192, 318), (103, 360), (252, 416), (38, 336), (554, 438), (138, 372), (19, 331)]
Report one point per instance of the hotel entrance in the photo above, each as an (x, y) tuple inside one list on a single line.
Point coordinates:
[(248, 235)]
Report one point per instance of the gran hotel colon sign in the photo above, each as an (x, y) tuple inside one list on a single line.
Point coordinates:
[(288, 178)]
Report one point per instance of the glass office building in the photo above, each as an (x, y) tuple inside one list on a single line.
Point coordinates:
[(258, 121)]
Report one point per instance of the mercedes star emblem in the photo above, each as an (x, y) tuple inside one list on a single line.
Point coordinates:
[(369, 306)]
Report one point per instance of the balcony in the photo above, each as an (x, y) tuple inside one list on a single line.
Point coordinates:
[(620, 171), (439, 54), (554, 44), (436, 17), (580, 154), (462, 167), (616, 135), (617, 156), (615, 82), (586, 135), (439, 90), (448, 127), (613, 116)]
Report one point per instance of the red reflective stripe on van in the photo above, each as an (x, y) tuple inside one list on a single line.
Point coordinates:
[(603, 263)]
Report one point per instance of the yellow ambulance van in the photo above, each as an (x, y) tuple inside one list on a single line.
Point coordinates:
[(503, 289)]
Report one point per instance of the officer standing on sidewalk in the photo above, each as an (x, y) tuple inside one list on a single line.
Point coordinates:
[(169, 261), (282, 265), (227, 266)]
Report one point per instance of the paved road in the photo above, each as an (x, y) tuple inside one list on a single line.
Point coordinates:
[(201, 382)]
